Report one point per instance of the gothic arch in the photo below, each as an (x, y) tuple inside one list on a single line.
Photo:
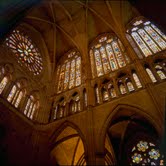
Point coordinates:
[(68, 136), (117, 109), (60, 129)]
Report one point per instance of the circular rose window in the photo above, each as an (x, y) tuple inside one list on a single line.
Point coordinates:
[(26, 52)]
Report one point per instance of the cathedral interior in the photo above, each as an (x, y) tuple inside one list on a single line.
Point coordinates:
[(82, 82)]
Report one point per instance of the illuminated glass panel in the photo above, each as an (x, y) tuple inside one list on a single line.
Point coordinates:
[(78, 71), (25, 51), (85, 98), (112, 92), (92, 63), (123, 50), (61, 79), (15, 96), (158, 30), (111, 57), (61, 112), (156, 37), (148, 40), (33, 111), (105, 95), (18, 99), (12, 93), (137, 81), (122, 89), (97, 95), (160, 72), (151, 75), (146, 153), (27, 106), (118, 54), (130, 86), (137, 22), (3, 84), (98, 63), (72, 74), (141, 44), (66, 76), (55, 112), (30, 109), (104, 60)]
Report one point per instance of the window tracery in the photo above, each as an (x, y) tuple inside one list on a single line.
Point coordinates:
[(75, 104), (59, 109), (160, 72), (69, 73), (107, 54), (147, 36), (31, 107), (152, 77), (3, 84), (137, 81), (26, 52)]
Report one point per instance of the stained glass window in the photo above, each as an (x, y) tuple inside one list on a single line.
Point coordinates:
[(3, 84), (141, 44), (26, 52), (111, 57), (118, 54), (137, 81), (97, 94), (12, 93), (18, 100), (147, 37), (98, 63), (70, 72), (151, 75), (112, 92), (159, 31), (156, 37), (55, 112), (106, 55), (146, 153), (130, 86), (160, 72), (85, 98), (105, 95), (148, 40), (122, 88), (31, 107)]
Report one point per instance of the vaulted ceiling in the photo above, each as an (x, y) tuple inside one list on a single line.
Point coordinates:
[(66, 24)]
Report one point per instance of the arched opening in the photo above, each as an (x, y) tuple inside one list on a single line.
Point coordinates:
[(68, 148), (126, 130)]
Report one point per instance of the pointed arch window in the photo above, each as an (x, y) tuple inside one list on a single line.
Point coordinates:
[(31, 107), (97, 94), (12, 93), (27, 54), (137, 81), (160, 72), (152, 77), (147, 37), (3, 84), (107, 54), (112, 91), (130, 86), (105, 94), (85, 98), (69, 72), (122, 88)]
